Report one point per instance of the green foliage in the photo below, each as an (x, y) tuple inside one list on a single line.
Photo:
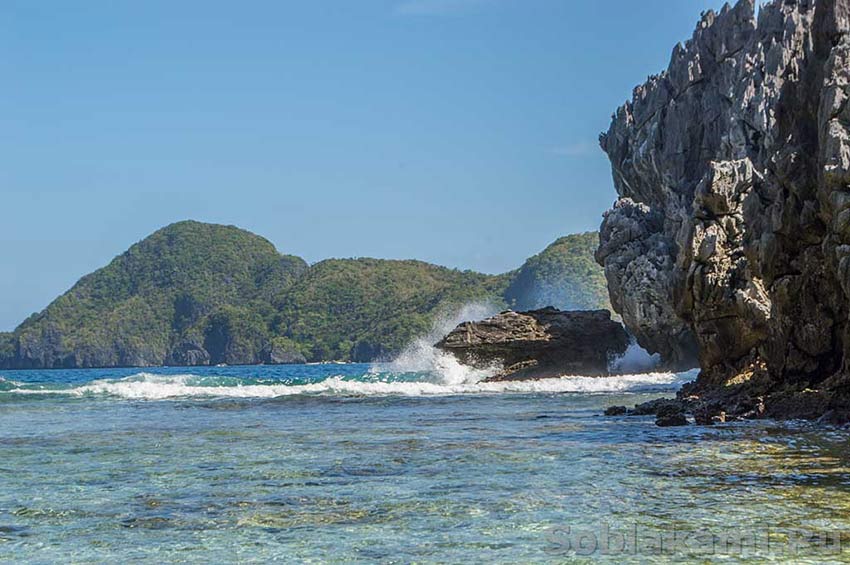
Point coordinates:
[(286, 345), (7, 345), (235, 335), (362, 309), (198, 293), (165, 290), (564, 275)]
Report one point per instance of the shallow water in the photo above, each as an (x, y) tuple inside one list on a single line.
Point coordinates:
[(342, 463)]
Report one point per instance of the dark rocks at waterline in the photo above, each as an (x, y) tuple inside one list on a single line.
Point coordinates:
[(671, 416), (282, 352), (42, 352), (539, 344), (731, 236), (658, 407), (667, 412), (739, 404)]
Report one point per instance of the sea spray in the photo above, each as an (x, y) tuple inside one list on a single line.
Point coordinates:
[(635, 360), (423, 358)]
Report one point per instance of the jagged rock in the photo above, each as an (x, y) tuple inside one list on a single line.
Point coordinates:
[(731, 236), (657, 407), (540, 343), (668, 412), (616, 411), (671, 419)]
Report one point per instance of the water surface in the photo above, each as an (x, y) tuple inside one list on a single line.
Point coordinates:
[(348, 463)]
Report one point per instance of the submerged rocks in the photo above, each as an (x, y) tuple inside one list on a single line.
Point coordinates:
[(731, 236), (617, 411), (668, 412), (540, 343)]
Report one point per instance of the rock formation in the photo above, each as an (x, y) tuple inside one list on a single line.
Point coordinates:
[(539, 344), (731, 236)]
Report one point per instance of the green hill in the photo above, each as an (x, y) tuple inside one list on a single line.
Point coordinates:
[(363, 309), (198, 294), (191, 293), (564, 275)]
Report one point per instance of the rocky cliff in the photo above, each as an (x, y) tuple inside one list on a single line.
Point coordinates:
[(540, 343), (731, 237)]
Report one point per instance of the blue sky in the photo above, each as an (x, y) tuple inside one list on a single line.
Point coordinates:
[(461, 132)]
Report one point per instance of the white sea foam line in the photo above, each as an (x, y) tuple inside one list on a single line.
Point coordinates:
[(159, 387)]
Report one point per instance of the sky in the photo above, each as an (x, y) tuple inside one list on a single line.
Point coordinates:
[(460, 132)]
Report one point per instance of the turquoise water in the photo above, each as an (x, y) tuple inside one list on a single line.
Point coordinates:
[(352, 463)]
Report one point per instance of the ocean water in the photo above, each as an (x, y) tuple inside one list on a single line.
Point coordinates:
[(390, 464)]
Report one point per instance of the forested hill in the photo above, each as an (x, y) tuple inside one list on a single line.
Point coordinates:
[(200, 294), (564, 275)]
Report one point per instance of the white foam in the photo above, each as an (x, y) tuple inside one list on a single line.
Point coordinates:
[(422, 357), (146, 386), (636, 359)]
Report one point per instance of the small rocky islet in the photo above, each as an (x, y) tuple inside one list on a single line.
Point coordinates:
[(539, 344)]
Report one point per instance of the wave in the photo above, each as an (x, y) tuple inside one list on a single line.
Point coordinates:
[(145, 386), (635, 359), (6, 385), (421, 356)]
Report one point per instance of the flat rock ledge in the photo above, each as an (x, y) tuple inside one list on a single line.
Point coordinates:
[(539, 344)]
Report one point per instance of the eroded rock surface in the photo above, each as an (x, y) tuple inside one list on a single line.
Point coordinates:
[(731, 236), (540, 343)]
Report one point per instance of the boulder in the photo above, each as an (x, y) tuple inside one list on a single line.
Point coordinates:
[(539, 344), (671, 419), (616, 411)]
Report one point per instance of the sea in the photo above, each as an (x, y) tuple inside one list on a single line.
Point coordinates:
[(393, 463)]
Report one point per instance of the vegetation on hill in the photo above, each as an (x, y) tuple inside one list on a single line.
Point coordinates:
[(186, 294), (198, 294), (564, 275), (364, 309)]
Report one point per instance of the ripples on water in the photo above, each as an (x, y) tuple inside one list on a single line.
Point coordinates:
[(351, 463)]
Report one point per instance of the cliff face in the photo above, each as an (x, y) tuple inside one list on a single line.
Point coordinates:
[(731, 236)]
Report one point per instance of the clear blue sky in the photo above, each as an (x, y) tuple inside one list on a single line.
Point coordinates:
[(461, 132)]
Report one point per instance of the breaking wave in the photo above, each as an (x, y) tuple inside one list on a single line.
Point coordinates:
[(146, 386), (636, 359), (6, 385), (442, 368)]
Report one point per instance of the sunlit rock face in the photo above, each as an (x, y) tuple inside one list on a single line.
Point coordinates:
[(731, 236)]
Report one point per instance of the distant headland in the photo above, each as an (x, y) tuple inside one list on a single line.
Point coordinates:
[(202, 294)]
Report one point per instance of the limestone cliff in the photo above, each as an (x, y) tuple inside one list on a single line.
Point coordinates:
[(731, 236)]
